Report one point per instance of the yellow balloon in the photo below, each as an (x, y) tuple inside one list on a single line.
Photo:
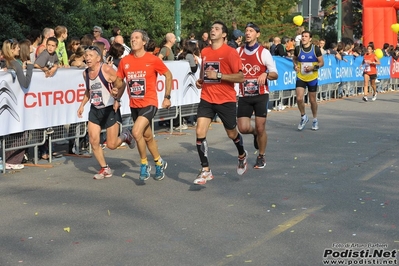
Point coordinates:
[(298, 20), (395, 27), (378, 53)]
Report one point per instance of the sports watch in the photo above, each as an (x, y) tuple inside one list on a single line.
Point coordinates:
[(167, 97), (219, 76)]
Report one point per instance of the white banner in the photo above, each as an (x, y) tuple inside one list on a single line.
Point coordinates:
[(54, 101)]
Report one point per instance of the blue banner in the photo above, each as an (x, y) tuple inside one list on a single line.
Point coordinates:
[(333, 71)]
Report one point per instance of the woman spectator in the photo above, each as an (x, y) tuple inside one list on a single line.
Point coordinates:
[(11, 50), (73, 45), (87, 40), (115, 54), (77, 58)]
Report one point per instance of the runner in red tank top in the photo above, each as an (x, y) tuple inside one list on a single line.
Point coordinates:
[(370, 62)]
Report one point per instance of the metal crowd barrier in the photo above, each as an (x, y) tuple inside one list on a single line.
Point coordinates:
[(35, 138)]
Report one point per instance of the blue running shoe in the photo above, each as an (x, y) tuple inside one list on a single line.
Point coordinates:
[(159, 170), (144, 172)]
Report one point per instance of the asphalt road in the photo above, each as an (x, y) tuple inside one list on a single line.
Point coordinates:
[(319, 192)]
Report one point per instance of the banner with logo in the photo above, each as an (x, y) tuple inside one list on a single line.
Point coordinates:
[(394, 69), (54, 101)]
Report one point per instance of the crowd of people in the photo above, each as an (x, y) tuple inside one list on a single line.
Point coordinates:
[(109, 67)]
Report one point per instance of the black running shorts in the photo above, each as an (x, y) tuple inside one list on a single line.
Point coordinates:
[(148, 112), (105, 117), (256, 104), (226, 112)]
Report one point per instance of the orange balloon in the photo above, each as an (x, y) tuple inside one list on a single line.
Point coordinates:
[(298, 20), (378, 53), (395, 27)]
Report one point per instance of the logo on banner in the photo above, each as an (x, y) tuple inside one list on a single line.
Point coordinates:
[(5, 104), (189, 83)]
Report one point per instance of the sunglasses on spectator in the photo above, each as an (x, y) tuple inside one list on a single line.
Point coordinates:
[(78, 43), (11, 41)]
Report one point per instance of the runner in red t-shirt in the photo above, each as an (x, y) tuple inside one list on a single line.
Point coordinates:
[(140, 69), (221, 68)]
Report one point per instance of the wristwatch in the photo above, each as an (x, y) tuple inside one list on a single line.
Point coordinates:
[(167, 97), (219, 76)]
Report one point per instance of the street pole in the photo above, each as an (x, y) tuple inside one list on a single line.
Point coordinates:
[(339, 24), (310, 14), (177, 20)]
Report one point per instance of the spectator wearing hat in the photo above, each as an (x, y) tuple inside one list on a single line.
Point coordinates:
[(237, 39), (97, 31)]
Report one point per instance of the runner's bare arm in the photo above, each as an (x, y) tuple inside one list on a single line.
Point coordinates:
[(168, 89)]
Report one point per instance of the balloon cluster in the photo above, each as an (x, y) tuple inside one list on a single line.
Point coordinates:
[(378, 53)]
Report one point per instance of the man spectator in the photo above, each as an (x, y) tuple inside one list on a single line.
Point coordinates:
[(97, 32), (280, 48), (236, 41), (47, 33), (204, 42), (322, 44), (276, 41), (119, 39), (166, 52)]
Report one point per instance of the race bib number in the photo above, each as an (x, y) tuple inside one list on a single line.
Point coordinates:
[(304, 67), (251, 87), (137, 88), (211, 66), (96, 96)]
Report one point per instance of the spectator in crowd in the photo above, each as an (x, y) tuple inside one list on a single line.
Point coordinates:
[(47, 33), (35, 37), (236, 40), (166, 52), (276, 41), (144, 99), (298, 36), (73, 45), (61, 33), (222, 68), (77, 58), (119, 39), (385, 49), (280, 48), (10, 51), (103, 50), (322, 44), (115, 54), (204, 42), (97, 32), (47, 61), (370, 62), (104, 90), (87, 40), (151, 47), (266, 45)]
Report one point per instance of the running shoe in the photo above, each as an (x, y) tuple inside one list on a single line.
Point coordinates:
[(103, 173), (374, 97), (256, 145), (365, 99), (203, 176), (304, 120), (159, 170), (242, 164), (145, 172), (129, 138), (315, 125), (260, 162)]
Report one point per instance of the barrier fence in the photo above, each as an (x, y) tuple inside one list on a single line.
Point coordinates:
[(53, 102)]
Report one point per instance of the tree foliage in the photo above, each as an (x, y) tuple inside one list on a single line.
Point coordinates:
[(19, 17)]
